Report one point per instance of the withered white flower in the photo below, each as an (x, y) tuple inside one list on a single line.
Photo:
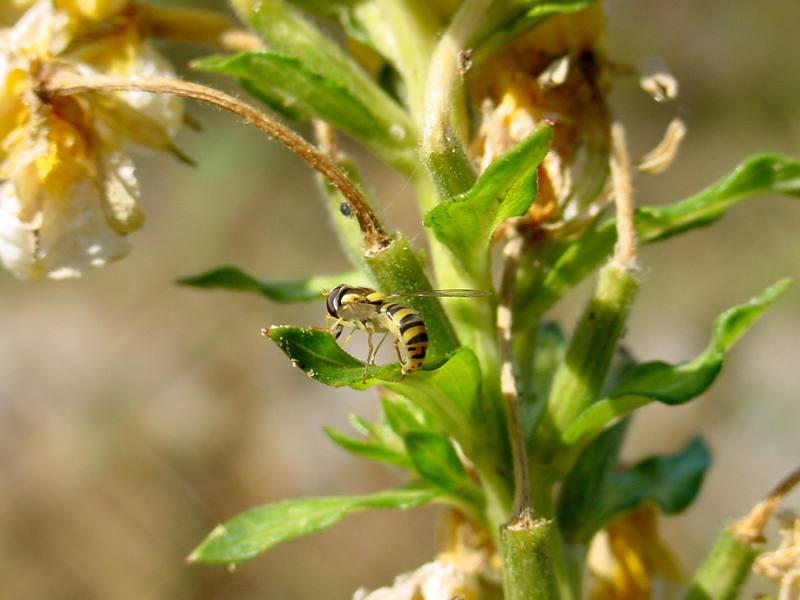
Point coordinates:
[(432, 581), (69, 193)]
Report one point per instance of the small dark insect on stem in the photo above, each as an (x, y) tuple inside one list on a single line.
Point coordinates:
[(61, 83)]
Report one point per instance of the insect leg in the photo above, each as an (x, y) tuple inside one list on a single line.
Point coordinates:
[(370, 355), (337, 328), (397, 349), (400, 358), (348, 337), (378, 347)]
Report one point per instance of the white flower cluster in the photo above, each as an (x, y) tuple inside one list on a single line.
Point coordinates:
[(69, 193)]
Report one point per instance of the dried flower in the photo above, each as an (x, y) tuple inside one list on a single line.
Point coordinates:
[(69, 193), (629, 561), (466, 558), (554, 74), (783, 565)]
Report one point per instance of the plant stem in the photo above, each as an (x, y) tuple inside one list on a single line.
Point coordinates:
[(508, 375), (60, 83), (397, 269), (404, 32), (528, 572), (725, 570), (580, 377), (625, 251), (442, 150), (729, 563), (347, 229)]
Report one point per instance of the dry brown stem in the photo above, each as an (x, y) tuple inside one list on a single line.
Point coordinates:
[(60, 82)]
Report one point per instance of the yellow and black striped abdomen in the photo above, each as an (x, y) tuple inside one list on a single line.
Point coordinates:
[(411, 334)]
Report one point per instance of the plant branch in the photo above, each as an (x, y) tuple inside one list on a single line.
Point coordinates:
[(528, 572), (730, 561), (441, 147), (508, 378), (60, 83), (625, 250)]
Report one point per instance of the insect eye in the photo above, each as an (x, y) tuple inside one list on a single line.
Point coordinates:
[(332, 303)]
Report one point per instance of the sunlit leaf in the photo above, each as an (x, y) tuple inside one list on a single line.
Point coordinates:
[(672, 482), (251, 533), (447, 392), (507, 188), (531, 14), (404, 417), (764, 174), (370, 449), (436, 460), (672, 384), (286, 84), (300, 290), (323, 69)]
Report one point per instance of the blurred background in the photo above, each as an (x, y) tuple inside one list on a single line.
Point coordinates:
[(135, 415)]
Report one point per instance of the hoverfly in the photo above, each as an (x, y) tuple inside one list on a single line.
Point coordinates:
[(374, 312)]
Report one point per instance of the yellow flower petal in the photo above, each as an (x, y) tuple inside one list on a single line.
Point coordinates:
[(629, 561)]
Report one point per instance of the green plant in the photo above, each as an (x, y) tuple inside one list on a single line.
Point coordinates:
[(510, 423)]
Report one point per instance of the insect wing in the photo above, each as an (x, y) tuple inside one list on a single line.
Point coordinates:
[(441, 294)]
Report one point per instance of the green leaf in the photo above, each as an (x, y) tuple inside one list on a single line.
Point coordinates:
[(586, 483), (287, 84), (507, 188), (672, 482), (436, 460), (448, 392), (301, 290), (325, 7), (525, 21), (763, 174), (672, 384), (251, 533), (404, 417), (369, 449), (288, 33)]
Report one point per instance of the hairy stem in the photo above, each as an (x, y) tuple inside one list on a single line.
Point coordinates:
[(508, 378), (729, 563), (625, 251), (528, 572), (60, 83)]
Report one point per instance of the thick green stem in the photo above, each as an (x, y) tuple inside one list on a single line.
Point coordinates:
[(397, 269), (725, 570), (404, 32), (528, 572), (580, 377)]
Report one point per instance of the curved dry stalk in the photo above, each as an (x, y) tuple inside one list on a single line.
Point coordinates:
[(750, 528), (625, 252), (661, 157), (61, 83), (508, 381)]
